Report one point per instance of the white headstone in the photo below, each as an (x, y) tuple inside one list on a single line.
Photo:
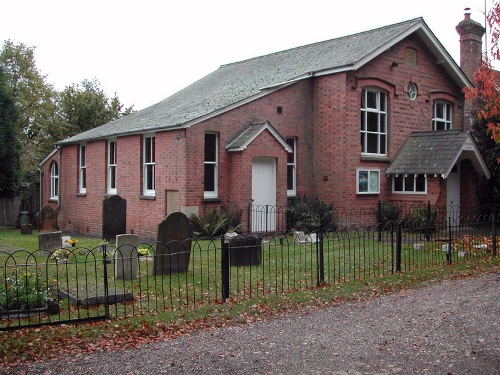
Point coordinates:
[(126, 257), (64, 243)]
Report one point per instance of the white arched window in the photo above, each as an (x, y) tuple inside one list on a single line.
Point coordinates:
[(54, 181)]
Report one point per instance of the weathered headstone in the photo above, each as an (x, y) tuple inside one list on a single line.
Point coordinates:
[(126, 257), (26, 229), (114, 217), (24, 218), (418, 246), (245, 250), (173, 248), (48, 242), (47, 218)]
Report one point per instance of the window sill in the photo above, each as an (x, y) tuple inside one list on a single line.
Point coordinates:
[(212, 200), (375, 158), (81, 194), (54, 200), (409, 193), (147, 197)]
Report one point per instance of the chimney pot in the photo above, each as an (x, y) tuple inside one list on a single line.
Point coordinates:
[(467, 13)]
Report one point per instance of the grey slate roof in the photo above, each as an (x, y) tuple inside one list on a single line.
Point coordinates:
[(435, 152), (236, 83)]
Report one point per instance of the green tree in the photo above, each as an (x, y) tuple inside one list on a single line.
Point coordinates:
[(35, 99), (85, 106), (10, 149), (45, 115)]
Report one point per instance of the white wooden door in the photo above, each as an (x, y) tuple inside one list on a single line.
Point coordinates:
[(453, 196), (263, 194)]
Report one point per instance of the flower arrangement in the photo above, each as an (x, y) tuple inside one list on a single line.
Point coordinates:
[(72, 241), (61, 254), (144, 251)]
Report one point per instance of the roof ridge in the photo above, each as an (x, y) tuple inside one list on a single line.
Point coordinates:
[(410, 21)]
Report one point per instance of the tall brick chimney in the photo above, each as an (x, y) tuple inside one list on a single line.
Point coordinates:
[(471, 44)]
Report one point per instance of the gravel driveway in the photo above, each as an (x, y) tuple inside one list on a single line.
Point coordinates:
[(452, 327)]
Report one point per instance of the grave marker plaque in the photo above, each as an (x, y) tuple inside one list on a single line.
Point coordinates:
[(114, 217), (48, 242), (173, 248), (126, 257)]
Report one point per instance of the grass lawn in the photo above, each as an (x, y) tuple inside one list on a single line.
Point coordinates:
[(285, 267)]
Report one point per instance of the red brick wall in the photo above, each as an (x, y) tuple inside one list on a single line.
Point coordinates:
[(468, 183), (337, 120), (235, 167)]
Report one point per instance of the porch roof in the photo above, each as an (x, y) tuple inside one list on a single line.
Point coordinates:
[(436, 152), (247, 136)]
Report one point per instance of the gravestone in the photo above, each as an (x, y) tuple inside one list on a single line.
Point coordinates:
[(47, 219), (48, 242), (173, 248), (245, 250), (26, 229), (126, 257), (64, 242), (114, 217)]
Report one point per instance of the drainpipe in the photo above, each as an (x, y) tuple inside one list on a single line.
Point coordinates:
[(40, 188), (464, 117), (59, 198)]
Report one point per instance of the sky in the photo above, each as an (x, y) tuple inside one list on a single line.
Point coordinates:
[(145, 51)]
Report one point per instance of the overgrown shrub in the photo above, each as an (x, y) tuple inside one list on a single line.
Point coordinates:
[(419, 218), (309, 215), (387, 212), (217, 221), (22, 292)]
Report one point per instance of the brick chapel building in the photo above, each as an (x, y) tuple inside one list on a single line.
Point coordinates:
[(379, 115)]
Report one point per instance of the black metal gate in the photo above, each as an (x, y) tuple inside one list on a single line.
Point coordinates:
[(67, 286)]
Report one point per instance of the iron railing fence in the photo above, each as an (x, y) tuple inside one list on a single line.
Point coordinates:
[(274, 218), (77, 284)]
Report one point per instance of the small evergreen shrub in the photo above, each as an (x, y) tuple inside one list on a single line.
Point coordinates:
[(387, 212), (217, 221), (309, 215), (419, 219)]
